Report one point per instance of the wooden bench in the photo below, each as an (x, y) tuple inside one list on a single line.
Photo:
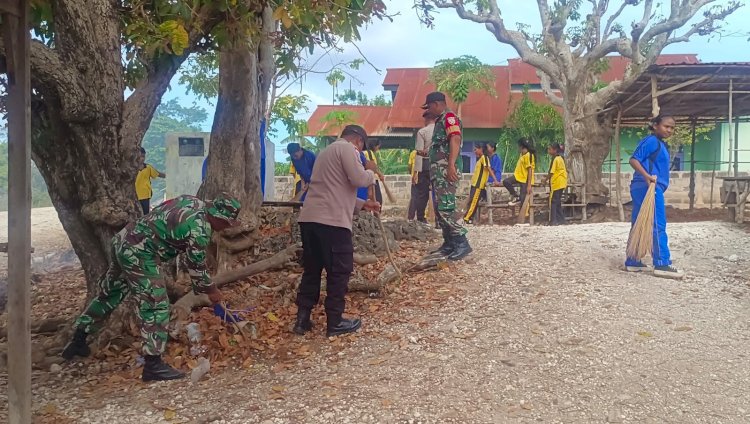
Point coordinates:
[(734, 195), (570, 197), (540, 199)]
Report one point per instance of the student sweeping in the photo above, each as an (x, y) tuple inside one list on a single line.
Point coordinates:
[(482, 171), (650, 160), (558, 180), (373, 146), (523, 174)]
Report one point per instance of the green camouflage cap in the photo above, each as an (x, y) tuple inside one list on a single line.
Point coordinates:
[(225, 207)]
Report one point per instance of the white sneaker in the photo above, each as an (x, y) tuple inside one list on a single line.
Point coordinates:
[(668, 271)]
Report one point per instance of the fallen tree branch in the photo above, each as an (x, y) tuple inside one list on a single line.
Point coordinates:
[(181, 309)]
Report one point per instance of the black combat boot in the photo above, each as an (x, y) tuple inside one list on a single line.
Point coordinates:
[(461, 249), (343, 327), (77, 346), (447, 247), (156, 370), (303, 323)]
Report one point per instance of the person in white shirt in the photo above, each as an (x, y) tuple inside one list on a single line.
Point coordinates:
[(421, 189)]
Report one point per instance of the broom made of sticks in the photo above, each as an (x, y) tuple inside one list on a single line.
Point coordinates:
[(641, 238)]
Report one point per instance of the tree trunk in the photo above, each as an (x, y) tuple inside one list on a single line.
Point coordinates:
[(587, 144), (245, 72), (85, 134)]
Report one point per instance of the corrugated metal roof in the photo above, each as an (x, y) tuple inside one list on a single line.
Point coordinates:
[(372, 118), (523, 73), (705, 98)]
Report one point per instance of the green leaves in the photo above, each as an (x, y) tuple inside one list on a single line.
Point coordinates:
[(460, 76), (175, 35)]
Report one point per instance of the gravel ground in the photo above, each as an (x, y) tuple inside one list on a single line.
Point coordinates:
[(546, 327)]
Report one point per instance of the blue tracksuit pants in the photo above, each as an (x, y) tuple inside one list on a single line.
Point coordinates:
[(660, 250)]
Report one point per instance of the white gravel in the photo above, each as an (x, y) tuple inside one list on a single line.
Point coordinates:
[(548, 329)]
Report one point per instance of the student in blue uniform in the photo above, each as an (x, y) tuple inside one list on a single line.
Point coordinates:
[(496, 163), (303, 161), (651, 163), (363, 192)]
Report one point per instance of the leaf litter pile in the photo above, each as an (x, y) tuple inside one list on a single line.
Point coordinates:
[(265, 304)]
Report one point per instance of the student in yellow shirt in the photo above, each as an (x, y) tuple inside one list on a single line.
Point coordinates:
[(372, 147), (412, 213), (558, 180), (523, 174), (143, 182), (482, 171), (298, 187)]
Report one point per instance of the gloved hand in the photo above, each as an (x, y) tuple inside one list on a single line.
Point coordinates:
[(222, 313)]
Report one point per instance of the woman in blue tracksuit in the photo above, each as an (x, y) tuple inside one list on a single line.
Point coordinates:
[(651, 163)]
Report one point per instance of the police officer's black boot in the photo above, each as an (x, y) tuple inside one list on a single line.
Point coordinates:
[(77, 346), (447, 247), (156, 370), (344, 326), (303, 323), (461, 249)]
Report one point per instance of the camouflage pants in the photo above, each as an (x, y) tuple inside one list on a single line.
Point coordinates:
[(445, 194), (132, 270)]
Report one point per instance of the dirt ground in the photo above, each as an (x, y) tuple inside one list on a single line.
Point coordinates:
[(539, 324)]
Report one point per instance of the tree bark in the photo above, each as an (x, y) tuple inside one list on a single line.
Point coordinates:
[(587, 136), (85, 134), (245, 72)]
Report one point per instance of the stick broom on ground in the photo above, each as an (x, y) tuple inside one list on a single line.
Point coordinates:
[(641, 238)]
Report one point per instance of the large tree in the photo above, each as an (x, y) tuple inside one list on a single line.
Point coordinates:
[(575, 38), (99, 69)]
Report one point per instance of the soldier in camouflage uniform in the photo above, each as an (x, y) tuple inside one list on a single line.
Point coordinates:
[(444, 161), (181, 225)]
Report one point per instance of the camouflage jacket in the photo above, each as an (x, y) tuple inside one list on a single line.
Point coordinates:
[(176, 226), (446, 125)]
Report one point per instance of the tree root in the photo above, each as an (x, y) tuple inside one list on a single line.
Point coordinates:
[(45, 326), (361, 259)]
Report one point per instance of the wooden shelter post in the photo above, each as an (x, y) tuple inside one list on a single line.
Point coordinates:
[(17, 39), (731, 137), (691, 192), (618, 173), (736, 145)]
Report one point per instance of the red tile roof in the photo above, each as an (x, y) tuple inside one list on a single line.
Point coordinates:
[(372, 118), (480, 109)]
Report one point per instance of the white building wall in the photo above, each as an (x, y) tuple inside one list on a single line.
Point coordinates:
[(727, 157), (184, 171)]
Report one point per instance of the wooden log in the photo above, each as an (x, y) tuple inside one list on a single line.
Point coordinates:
[(181, 309)]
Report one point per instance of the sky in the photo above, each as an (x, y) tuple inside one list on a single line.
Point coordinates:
[(406, 42)]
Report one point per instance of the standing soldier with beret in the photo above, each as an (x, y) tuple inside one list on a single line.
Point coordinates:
[(444, 155)]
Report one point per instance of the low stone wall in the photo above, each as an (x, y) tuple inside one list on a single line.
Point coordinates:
[(677, 195)]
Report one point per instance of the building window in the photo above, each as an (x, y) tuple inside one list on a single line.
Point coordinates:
[(191, 146)]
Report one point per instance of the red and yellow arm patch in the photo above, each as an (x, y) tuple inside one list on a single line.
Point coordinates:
[(452, 124)]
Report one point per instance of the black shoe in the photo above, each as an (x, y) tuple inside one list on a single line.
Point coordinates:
[(447, 247), (77, 346), (345, 326), (668, 271), (461, 250), (156, 370), (303, 323)]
